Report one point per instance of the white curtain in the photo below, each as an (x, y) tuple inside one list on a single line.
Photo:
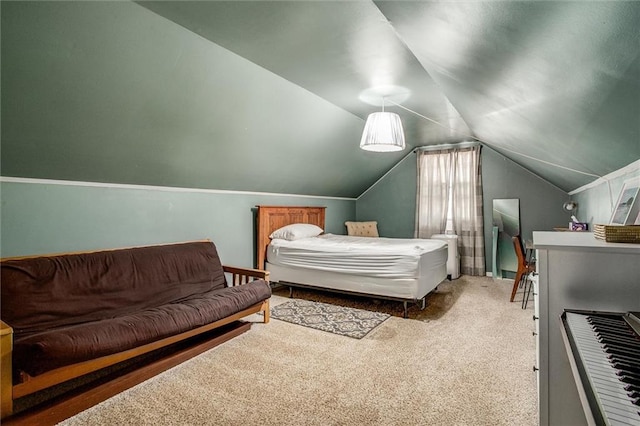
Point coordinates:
[(434, 170), (467, 210), (450, 184)]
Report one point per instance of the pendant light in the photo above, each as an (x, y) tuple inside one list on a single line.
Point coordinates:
[(383, 132)]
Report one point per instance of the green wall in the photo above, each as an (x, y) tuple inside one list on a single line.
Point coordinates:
[(44, 217), (109, 91), (540, 202), (595, 203), (392, 201)]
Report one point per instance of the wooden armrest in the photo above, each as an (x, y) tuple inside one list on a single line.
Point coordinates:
[(241, 276), (6, 380), (5, 328)]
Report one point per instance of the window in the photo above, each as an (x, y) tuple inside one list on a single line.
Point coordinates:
[(449, 199)]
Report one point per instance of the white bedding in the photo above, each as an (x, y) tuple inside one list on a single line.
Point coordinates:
[(388, 267)]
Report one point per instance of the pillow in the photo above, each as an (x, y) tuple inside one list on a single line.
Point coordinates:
[(296, 231), (362, 229)]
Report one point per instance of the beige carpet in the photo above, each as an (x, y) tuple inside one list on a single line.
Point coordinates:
[(469, 365), (439, 302)]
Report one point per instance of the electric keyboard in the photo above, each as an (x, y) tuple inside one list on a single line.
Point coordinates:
[(604, 353)]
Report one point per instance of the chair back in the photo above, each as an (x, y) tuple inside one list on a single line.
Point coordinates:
[(517, 245)]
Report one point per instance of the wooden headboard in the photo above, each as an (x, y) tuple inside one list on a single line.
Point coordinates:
[(271, 218)]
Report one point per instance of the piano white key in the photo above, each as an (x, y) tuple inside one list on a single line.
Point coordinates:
[(608, 388)]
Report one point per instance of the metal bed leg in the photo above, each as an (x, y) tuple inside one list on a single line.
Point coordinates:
[(424, 303), (406, 313), (290, 292)]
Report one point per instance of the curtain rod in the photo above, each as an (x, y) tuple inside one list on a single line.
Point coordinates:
[(465, 144)]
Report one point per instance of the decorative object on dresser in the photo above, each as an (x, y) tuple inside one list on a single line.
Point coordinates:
[(627, 208), (67, 315), (575, 224), (405, 270), (618, 233)]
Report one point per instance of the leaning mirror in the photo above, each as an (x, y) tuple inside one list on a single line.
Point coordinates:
[(506, 225)]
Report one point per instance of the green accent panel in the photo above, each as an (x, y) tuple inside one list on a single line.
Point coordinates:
[(45, 218), (392, 201), (112, 92)]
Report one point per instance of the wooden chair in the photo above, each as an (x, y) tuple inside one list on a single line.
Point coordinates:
[(524, 266)]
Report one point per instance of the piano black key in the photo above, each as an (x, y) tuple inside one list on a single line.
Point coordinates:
[(630, 380), (609, 351), (631, 387), (618, 357), (626, 366), (621, 373), (598, 318), (599, 323), (623, 340), (616, 352), (628, 346), (595, 322), (628, 375), (614, 332), (626, 335)]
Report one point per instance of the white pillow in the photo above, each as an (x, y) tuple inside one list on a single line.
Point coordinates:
[(296, 231)]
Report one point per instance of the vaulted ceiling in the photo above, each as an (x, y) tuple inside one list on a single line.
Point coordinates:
[(556, 81), (540, 82)]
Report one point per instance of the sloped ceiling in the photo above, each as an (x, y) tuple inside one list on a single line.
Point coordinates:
[(556, 81), (268, 96)]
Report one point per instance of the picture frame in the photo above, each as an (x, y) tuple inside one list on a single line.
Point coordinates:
[(627, 209)]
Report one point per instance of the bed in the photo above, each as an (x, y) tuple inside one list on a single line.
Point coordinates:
[(405, 270)]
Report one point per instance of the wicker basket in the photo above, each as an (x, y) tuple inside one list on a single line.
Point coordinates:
[(618, 233)]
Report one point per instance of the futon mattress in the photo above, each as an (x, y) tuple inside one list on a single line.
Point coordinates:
[(36, 353)]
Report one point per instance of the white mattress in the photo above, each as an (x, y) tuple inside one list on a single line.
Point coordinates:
[(390, 267), (375, 257)]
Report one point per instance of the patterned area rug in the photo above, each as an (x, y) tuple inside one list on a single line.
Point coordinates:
[(350, 322), (438, 303)]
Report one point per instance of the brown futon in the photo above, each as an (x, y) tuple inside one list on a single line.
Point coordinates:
[(72, 314)]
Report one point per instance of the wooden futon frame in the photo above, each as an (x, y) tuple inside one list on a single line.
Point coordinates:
[(61, 408)]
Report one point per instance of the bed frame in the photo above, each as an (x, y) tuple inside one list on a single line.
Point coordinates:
[(271, 218)]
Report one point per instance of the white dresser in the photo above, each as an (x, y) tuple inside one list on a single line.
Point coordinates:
[(576, 271)]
